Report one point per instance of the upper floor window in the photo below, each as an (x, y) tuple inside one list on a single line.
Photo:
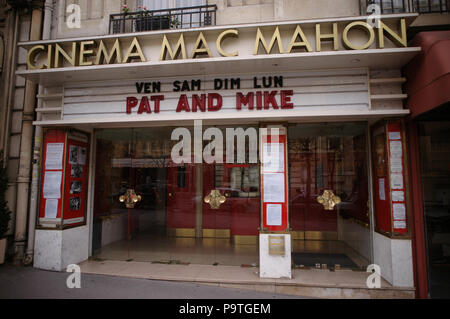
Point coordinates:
[(401, 6), (389, 6), (424, 6), (166, 4)]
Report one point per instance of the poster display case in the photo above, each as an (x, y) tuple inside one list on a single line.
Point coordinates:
[(389, 178), (274, 186), (63, 191)]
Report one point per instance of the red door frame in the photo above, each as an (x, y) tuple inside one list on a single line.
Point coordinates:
[(417, 224)]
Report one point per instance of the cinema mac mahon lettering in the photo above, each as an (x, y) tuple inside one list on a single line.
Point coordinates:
[(355, 35)]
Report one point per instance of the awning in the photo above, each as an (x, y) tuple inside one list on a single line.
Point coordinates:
[(428, 74)]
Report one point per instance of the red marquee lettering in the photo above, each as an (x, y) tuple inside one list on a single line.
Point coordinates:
[(131, 102), (213, 102), (183, 104), (157, 99), (269, 99), (144, 106), (214, 97), (199, 102), (249, 100), (286, 99), (258, 100)]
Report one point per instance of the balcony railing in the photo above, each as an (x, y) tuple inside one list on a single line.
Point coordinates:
[(404, 6), (175, 18)]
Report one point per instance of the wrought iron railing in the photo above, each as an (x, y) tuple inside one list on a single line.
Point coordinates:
[(404, 6), (175, 18)]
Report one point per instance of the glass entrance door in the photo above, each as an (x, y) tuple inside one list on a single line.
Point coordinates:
[(435, 174), (216, 203), (131, 182), (231, 206), (328, 192), (181, 200), (149, 208)]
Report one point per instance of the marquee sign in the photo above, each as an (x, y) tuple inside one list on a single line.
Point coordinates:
[(212, 102), (215, 95), (284, 39)]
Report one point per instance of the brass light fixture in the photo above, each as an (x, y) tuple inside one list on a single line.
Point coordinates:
[(130, 198), (328, 199), (215, 199)]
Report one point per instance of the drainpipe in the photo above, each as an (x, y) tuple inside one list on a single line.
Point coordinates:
[(11, 79), (28, 259), (23, 177)]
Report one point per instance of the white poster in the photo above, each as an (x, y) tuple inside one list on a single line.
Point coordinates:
[(274, 187), (400, 224), (381, 190), (273, 214), (396, 149), (81, 155), (52, 184), (396, 164), (398, 196), (399, 211), (51, 208), (396, 181), (394, 135), (54, 156), (273, 157)]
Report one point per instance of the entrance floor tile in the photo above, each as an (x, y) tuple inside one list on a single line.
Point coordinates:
[(304, 282)]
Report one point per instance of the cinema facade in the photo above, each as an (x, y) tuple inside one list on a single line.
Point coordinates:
[(319, 101)]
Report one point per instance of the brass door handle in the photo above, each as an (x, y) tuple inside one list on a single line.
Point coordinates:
[(214, 199), (328, 199)]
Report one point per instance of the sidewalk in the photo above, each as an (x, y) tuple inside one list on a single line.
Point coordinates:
[(30, 283), (313, 283)]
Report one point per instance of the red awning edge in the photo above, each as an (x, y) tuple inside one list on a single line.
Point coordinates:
[(428, 74)]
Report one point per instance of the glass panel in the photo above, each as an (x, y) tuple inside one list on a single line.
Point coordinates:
[(435, 174), (231, 229), (156, 4), (191, 19), (328, 195), (131, 159), (171, 223)]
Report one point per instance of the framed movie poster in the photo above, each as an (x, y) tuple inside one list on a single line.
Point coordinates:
[(389, 178), (52, 177), (76, 180), (274, 180), (64, 175)]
